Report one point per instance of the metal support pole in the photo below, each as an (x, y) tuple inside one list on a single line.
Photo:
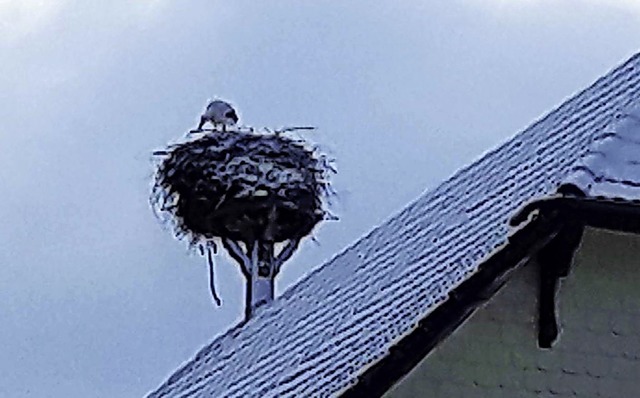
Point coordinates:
[(260, 284), (260, 266)]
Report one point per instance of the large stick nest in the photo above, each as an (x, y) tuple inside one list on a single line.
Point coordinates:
[(243, 186)]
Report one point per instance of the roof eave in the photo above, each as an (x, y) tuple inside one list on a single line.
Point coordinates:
[(462, 302), (538, 223), (615, 214)]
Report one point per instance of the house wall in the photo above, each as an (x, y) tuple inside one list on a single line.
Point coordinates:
[(495, 353)]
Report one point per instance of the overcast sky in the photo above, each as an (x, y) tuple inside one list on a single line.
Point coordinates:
[(96, 298)]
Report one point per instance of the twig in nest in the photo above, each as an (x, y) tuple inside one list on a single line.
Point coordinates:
[(295, 128)]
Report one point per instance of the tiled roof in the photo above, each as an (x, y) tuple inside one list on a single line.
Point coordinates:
[(318, 337), (611, 167)]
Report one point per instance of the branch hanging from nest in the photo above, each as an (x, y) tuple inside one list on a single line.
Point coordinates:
[(212, 284)]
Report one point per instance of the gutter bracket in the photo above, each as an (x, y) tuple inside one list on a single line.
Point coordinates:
[(554, 262)]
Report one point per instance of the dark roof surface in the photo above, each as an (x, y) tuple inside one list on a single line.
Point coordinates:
[(324, 332)]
